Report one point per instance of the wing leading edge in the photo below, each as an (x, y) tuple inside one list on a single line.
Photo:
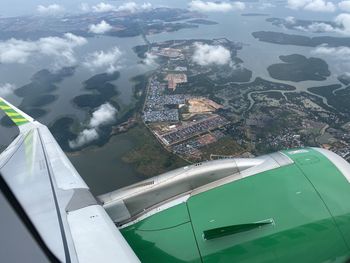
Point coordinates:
[(70, 221)]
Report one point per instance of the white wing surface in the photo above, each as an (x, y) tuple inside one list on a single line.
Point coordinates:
[(67, 217)]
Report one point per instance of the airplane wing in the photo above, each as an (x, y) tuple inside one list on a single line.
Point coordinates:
[(68, 220)]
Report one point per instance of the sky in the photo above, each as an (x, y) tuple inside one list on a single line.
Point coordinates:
[(25, 7)]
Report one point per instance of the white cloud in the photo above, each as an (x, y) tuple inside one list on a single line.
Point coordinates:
[(50, 9), (85, 7), (103, 7), (150, 59), (6, 89), (317, 27), (342, 25), (60, 49), (290, 20), (105, 114), (211, 55), (100, 28), (312, 5), (202, 6), (343, 20), (106, 60), (131, 7), (238, 5), (84, 137), (341, 52), (340, 55), (320, 6), (344, 5), (266, 5)]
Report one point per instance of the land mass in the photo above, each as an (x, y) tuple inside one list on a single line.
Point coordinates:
[(298, 40), (299, 68)]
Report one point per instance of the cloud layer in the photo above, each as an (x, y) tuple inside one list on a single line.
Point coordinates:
[(344, 5), (104, 60), (103, 115), (205, 55), (131, 7), (150, 60), (343, 20), (342, 53), (60, 49), (100, 28), (50, 9), (102, 7), (312, 5), (340, 25), (6, 89), (203, 6)]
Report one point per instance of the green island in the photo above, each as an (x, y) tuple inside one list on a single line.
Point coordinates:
[(299, 40), (299, 68)]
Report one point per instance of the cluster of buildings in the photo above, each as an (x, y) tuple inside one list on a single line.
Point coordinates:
[(191, 147), (286, 140), (157, 104), (171, 115), (194, 128), (167, 52)]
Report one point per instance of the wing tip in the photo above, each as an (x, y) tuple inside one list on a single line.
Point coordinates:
[(17, 116)]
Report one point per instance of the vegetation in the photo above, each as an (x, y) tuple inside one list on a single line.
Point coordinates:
[(299, 68), (298, 40), (149, 157), (336, 97), (104, 91), (225, 146)]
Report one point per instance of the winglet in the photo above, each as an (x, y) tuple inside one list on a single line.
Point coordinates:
[(16, 115)]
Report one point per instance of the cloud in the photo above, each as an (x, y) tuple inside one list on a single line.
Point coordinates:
[(103, 7), (344, 5), (6, 89), (50, 9), (342, 53), (106, 60), (105, 114), (312, 5), (318, 27), (290, 20), (150, 59), (266, 5), (202, 6), (60, 49), (100, 28), (131, 7), (84, 137), (211, 55), (341, 25), (85, 7), (343, 20)]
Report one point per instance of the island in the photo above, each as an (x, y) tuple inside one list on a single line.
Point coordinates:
[(299, 40), (299, 68)]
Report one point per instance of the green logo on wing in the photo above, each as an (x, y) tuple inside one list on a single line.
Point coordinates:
[(16, 117)]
